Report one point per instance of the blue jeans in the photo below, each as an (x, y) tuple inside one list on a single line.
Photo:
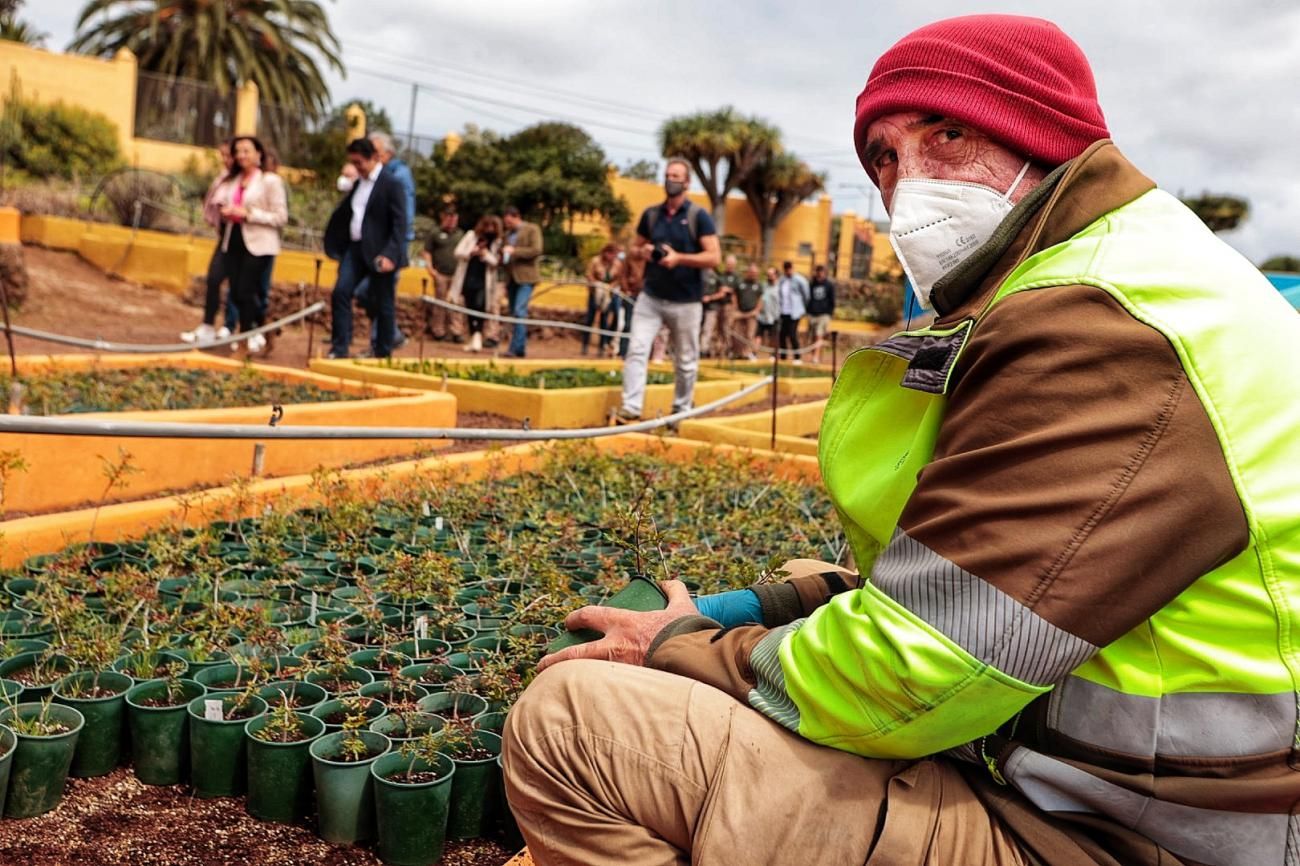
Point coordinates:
[(519, 295), (363, 297), (380, 303)]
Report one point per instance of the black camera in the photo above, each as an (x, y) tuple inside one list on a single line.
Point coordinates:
[(658, 253)]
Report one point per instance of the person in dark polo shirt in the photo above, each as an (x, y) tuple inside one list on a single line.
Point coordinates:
[(680, 242), (440, 258)]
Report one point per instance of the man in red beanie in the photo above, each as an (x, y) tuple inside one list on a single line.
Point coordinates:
[(1072, 640)]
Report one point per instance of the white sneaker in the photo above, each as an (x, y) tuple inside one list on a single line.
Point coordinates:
[(223, 332), (201, 334), (256, 343), (476, 342)]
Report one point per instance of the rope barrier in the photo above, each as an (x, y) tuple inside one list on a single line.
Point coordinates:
[(160, 348), (167, 430)]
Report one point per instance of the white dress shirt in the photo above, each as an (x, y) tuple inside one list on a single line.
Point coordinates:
[(361, 198)]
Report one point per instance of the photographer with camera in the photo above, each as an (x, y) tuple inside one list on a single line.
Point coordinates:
[(679, 241)]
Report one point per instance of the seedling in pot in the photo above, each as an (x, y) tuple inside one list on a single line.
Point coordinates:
[(352, 747), (283, 724), (39, 725)]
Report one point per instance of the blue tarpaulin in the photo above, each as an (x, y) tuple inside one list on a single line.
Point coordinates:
[(1288, 285)]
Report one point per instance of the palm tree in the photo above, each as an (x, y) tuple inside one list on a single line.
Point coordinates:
[(276, 44), (722, 147), (1219, 212), (776, 187), (13, 30)]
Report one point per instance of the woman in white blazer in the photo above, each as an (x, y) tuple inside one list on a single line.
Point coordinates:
[(255, 211), (478, 255)]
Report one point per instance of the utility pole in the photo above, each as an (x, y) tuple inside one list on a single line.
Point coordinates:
[(410, 129)]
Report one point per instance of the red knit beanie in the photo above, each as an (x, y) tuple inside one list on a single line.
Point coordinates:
[(1020, 80)]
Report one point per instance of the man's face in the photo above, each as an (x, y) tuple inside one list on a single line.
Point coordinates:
[(751, 272), (787, 270), (913, 144), (511, 221), (363, 165), (730, 264), (819, 273), (677, 172), (380, 153), (608, 256), (448, 222)]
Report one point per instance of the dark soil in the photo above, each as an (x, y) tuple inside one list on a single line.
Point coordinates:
[(239, 713), (764, 406), (402, 777), (474, 754), (50, 729), (91, 693), (349, 759), (268, 736), (30, 677), (338, 686), (159, 702), (116, 821)]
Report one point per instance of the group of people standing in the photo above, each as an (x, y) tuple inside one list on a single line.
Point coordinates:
[(742, 313), (248, 206)]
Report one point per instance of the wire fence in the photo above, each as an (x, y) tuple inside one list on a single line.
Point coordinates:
[(182, 111)]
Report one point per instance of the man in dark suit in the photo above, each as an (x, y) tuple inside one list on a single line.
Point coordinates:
[(366, 235)]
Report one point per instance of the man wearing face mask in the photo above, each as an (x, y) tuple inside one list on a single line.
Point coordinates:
[(1071, 498), (678, 241)]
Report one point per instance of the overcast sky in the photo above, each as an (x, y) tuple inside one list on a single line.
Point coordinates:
[(1199, 93)]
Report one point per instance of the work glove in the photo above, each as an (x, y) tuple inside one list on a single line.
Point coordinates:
[(739, 607)]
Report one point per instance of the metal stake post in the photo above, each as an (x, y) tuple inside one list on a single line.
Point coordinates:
[(835, 354), (9, 334), (424, 290), (776, 379), (311, 320)]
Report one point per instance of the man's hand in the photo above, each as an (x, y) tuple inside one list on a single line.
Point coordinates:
[(384, 265), (671, 258), (627, 633), (507, 251)]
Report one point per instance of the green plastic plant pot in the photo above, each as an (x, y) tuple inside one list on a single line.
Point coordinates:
[(462, 705), (474, 791), (224, 678), (343, 682), (394, 691), (432, 677), (40, 764), (279, 774), (209, 660), (411, 819), (126, 664), (641, 593), (160, 736), (403, 727), (493, 720), (8, 745), (423, 651), (375, 660), (458, 635), (9, 691), (305, 695), (24, 661), (507, 826), (218, 755), (345, 790), (99, 748), (374, 710)]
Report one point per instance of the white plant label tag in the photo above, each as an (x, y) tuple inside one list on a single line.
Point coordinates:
[(437, 523), (425, 509), (214, 711), (311, 614), (421, 627)]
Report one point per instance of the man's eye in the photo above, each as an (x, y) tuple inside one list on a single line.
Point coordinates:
[(950, 134), (887, 158)]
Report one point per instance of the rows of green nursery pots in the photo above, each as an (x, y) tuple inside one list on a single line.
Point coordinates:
[(355, 663)]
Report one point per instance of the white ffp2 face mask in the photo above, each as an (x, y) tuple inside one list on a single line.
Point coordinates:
[(935, 225), (345, 183)]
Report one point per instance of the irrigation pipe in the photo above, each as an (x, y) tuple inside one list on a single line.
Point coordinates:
[(160, 348), (164, 430), (573, 326)]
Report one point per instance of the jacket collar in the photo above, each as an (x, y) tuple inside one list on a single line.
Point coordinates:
[(1075, 195)]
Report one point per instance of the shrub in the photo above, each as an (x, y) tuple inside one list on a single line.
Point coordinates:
[(869, 300), (57, 140)]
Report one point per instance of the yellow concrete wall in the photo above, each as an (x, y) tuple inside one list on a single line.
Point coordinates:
[(794, 424), (566, 408), (30, 536), (66, 471), (809, 223), (10, 226), (104, 86)]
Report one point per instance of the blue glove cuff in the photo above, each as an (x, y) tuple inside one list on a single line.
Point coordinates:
[(738, 607)]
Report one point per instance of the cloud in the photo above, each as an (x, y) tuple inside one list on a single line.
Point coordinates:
[(1196, 92)]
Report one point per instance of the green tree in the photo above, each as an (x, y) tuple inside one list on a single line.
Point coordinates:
[(775, 188), (13, 30), (323, 150), (277, 44), (1219, 212), (1285, 264), (642, 169), (722, 147), (552, 172)]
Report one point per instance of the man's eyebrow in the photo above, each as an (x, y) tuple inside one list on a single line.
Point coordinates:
[(876, 145)]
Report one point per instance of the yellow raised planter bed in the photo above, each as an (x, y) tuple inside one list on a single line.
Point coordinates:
[(794, 424), (30, 536), (68, 471), (803, 385), (560, 408)]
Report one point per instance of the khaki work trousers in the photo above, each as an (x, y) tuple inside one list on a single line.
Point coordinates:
[(446, 323), (614, 764)]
